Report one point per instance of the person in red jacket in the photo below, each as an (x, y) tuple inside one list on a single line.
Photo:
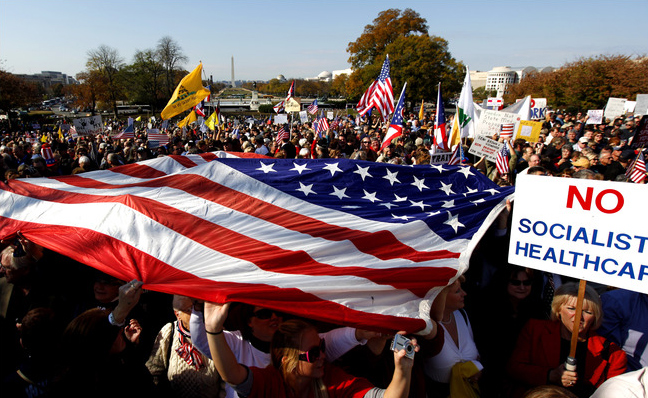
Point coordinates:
[(543, 346)]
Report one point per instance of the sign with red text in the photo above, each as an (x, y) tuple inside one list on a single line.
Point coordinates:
[(585, 229), (485, 147)]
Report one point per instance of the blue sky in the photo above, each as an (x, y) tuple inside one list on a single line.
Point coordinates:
[(302, 38)]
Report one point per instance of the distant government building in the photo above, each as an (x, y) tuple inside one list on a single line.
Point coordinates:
[(48, 78), (500, 77)]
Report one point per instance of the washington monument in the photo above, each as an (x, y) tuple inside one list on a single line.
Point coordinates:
[(233, 82)]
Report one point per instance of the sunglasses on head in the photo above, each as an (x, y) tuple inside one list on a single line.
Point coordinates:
[(314, 353), (516, 282), (264, 313)]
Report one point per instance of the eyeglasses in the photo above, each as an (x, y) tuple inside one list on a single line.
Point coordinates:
[(516, 282), (366, 142), (314, 353), (264, 313)]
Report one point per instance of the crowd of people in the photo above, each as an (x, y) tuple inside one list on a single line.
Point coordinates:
[(499, 330)]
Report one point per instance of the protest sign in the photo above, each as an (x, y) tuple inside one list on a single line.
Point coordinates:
[(529, 131), (538, 108), (88, 125), (594, 116), (483, 146), (640, 138), (490, 122), (303, 116), (614, 108), (440, 157), (495, 103), (292, 105), (329, 115), (629, 107), (586, 229), (281, 119), (641, 108)]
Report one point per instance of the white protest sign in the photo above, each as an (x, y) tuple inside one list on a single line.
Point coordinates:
[(329, 115), (641, 107), (303, 116), (440, 157), (88, 125), (490, 122), (585, 229), (594, 116), (483, 146), (629, 106), (281, 119), (538, 108), (614, 108)]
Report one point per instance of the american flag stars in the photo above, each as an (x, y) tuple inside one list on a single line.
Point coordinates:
[(447, 198)]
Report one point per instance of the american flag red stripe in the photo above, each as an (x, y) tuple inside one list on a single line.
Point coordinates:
[(637, 171), (502, 160), (380, 94), (214, 228), (282, 134), (162, 138)]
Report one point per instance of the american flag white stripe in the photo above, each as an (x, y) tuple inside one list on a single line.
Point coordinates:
[(222, 216)]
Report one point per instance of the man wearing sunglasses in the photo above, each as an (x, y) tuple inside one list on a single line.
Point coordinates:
[(251, 344)]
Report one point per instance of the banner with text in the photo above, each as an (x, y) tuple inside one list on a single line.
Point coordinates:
[(586, 229), (529, 131), (88, 125), (490, 122), (594, 116), (440, 157), (538, 108), (615, 107), (486, 147)]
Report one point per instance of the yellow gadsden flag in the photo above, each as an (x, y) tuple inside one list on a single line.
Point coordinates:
[(188, 120), (189, 93)]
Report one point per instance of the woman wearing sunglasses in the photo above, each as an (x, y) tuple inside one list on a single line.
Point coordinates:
[(515, 296), (251, 344), (298, 366)]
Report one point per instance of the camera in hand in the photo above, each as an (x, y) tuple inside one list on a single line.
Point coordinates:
[(403, 343)]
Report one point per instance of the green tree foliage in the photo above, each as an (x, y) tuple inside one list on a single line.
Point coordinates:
[(586, 83), (16, 92), (480, 94), (146, 79), (416, 57)]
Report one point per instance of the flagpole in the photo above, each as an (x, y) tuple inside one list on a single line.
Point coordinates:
[(570, 363)]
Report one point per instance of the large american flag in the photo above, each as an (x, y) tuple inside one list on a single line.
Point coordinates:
[(350, 242), (155, 135), (380, 94), (128, 132)]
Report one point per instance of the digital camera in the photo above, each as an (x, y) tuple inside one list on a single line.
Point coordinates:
[(403, 343)]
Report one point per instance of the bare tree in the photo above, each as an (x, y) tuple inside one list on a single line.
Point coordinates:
[(171, 56), (107, 62)]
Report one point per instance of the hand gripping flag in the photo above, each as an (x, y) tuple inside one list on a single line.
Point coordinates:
[(396, 126), (349, 242), (380, 94), (189, 93), (440, 135)]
